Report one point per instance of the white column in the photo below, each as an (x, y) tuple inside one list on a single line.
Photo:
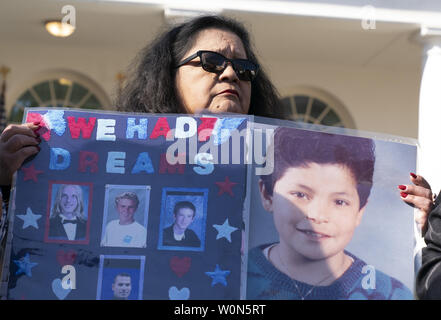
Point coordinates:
[(429, 119)]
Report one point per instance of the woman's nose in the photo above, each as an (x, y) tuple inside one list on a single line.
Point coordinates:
[(229, 74)]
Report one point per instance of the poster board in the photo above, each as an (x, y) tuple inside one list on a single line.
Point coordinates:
[(110, 171), (117, 165)]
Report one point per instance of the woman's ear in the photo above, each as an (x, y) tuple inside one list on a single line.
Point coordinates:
[(267, 200)]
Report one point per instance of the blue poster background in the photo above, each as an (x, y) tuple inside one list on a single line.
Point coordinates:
[(36, 264)]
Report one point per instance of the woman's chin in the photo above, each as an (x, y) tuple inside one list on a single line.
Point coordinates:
[(227, 107)]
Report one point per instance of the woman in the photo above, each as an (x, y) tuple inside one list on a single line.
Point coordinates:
[(204, 65), (67, 219), (428, 217)]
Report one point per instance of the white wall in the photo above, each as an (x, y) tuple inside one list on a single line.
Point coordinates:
[(379, 100), (27, 61)]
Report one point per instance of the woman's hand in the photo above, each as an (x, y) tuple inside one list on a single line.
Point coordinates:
[(420, 196), (17, 143)]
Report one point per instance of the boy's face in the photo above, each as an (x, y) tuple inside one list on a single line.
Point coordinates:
[(184, 218), (315, 208)]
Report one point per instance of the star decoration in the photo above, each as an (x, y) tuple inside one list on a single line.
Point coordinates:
[(25, 265), (225, 186), (30, 173), (29, 219), (224, 230), (218, 276)]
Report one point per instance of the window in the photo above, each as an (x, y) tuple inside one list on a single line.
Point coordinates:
[(316, 107), (58, 91)]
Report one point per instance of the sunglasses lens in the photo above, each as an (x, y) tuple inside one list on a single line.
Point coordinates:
[(245, 70), (214, 62)]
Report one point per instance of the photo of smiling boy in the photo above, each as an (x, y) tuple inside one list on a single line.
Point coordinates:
[(317, 195), (125, 231), (179, 233), (68, 213)]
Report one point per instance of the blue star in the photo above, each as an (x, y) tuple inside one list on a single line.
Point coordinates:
[(218, 276), (224, 230), (25, 265), (29, 219)]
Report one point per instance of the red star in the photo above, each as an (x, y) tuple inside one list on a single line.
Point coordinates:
[(30, 173), (225, 186)]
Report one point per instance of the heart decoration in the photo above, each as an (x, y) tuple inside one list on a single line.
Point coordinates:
[(180, 266), (65, 258), (58, 289), (176, 294)]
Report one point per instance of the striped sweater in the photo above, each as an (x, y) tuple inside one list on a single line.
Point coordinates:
[(265, 282)]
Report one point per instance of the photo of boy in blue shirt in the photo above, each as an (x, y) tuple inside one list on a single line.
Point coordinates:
[(317, 195)]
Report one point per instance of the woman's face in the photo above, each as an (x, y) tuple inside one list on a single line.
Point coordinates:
[(199, 90), (69, 200)]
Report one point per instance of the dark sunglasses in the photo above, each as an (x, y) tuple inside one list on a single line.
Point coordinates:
[(217, 63)]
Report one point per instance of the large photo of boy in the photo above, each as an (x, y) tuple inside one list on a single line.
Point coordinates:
[(316, 198)]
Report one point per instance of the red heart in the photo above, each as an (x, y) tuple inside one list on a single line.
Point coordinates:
[(180, 266), (65, 258)]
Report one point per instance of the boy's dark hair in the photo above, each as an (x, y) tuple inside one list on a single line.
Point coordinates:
[(298, 148), (184, 204), (151, 84), (122, 274)]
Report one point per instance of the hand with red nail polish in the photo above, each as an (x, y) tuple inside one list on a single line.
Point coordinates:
[(420, 196), (17, 143)]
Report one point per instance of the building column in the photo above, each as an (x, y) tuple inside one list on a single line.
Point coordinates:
[(429, 119)]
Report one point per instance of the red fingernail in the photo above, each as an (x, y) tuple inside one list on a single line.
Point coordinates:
[(413, 175), (36, 122), (403, 194), (402, 187)]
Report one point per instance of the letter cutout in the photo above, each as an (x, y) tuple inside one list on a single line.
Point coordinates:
[(106, 130), (143, 163), (115, 162), (170, 168), (161, 128), (205, 161), (140, 129), (181, 123), (88, 159), (55, 155), (205, 128), (80, 125)]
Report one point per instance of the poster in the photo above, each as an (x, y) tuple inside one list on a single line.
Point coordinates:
[(178, 207), (100, 213)]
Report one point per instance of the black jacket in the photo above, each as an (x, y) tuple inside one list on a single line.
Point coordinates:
[(190, 238), (428, 282), (56, 229)]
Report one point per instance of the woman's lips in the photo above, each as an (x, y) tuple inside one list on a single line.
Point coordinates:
[(230, 91)]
